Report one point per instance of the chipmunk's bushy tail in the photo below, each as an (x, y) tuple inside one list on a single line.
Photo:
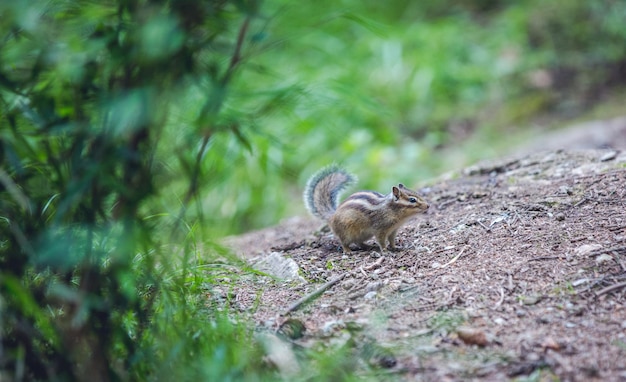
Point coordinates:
[(321, 195)]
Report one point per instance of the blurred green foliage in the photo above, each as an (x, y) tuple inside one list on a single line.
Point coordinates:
[(383, 87), (91, 286), (132, 132)]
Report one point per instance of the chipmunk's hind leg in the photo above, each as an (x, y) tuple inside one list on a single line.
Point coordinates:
[(381, 240)]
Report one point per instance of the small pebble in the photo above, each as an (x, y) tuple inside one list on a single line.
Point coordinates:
[(544, 320), (586, 249), (604, 258), (608, 156), (472, 336), (530, 300), (373, 286), (370, 295), (565, 190)]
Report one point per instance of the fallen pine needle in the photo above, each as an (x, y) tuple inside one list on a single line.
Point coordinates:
[(454, 259)]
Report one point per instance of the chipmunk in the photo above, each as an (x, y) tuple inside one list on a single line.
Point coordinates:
[(363, 214)]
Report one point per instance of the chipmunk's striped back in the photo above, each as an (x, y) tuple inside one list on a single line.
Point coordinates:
[(370, 200)]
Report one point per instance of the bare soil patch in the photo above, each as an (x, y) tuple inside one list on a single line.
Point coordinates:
[(518, 269)]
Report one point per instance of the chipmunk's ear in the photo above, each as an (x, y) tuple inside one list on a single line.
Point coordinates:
[(401, 186), (396, 192)]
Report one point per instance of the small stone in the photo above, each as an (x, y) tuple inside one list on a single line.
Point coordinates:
[(560, 216), (472, 336), (373, 286), (579, 282), (499, 321), (348, 284), (420, 248), (549, 158), (479, 194), (604, 258), (549, 343), (459, 228), (544, 320), (370, 295), (279, 266), (530, 300), (586, 249), (608, 156), (564, 190), (330, 326)]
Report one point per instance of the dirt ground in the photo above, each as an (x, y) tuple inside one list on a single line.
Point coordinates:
[(517, 271)]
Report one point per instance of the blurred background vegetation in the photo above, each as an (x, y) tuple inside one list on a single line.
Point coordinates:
[(133, 133), (407, 90)]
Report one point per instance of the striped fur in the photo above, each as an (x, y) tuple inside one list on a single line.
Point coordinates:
[(364, 214)]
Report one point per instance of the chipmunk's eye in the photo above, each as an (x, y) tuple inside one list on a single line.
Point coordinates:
[(412, 200)]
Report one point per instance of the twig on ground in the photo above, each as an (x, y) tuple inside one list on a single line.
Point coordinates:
[(623, 265), (484, 226), (363, 272), (428, 231), (445, 204), (510, 285), (449, 299), (584, 199), (375, 264), (501, 300), (611, 288), (544, 258), (311, 296)]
